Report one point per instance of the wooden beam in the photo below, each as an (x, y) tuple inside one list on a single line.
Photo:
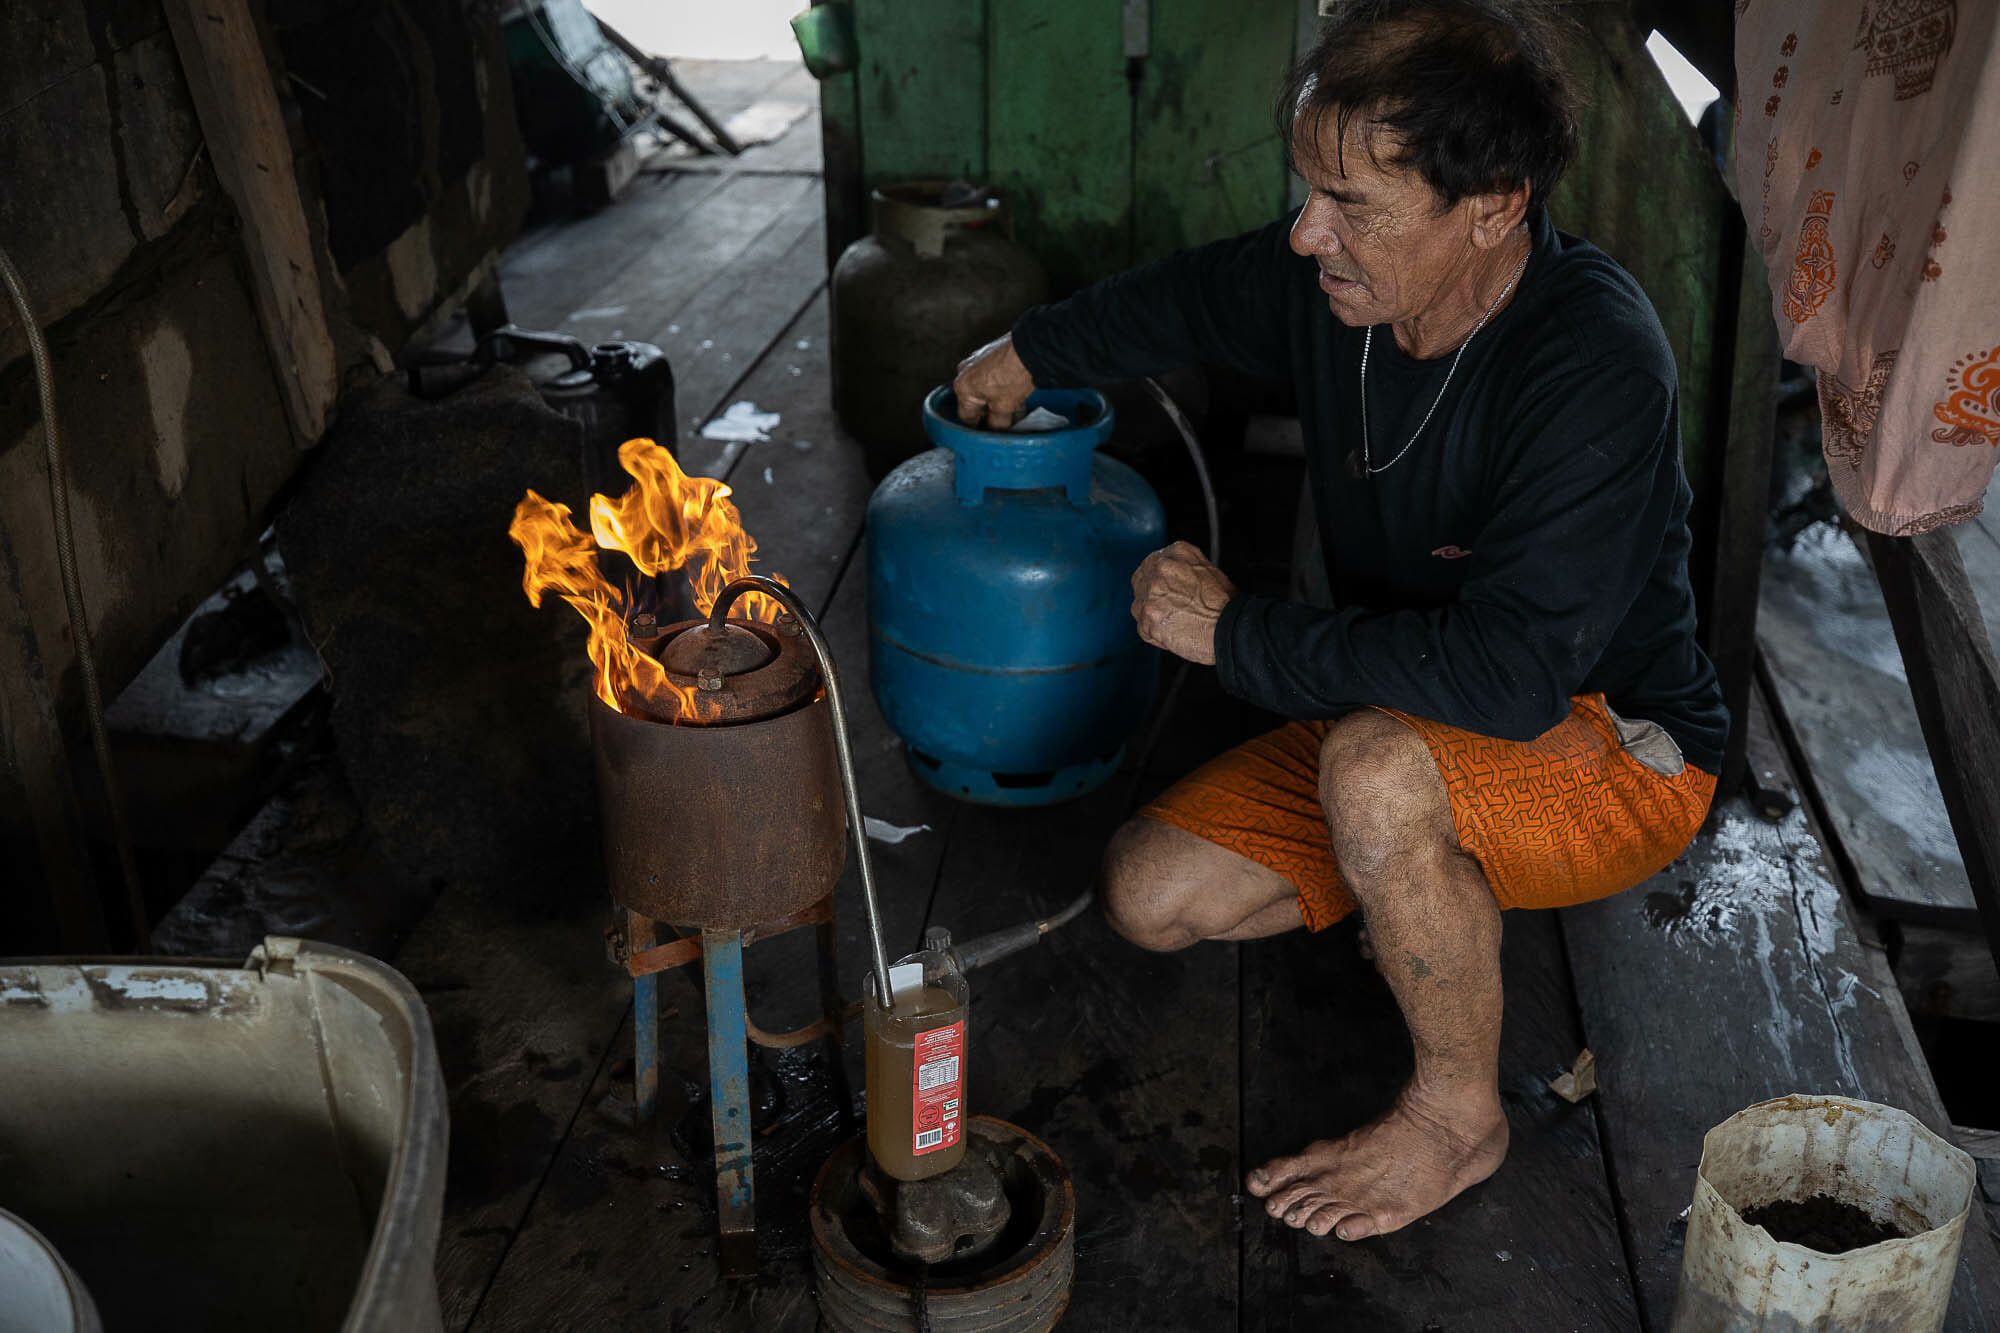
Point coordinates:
[(1742, 426), (237, 102), (1956, 685), (847, 218)]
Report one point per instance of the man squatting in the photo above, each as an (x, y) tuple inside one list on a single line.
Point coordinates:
[(1505, 705)]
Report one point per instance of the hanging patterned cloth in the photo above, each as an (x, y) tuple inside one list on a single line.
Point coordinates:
[(1868, 163)]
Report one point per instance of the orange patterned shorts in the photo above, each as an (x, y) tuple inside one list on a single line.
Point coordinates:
[(1583, 811)]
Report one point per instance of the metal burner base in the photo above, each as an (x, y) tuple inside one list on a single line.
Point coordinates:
[(1019, 1283), (960, 1213)]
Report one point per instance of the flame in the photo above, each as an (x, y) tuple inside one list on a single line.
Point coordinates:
[(666, 521)]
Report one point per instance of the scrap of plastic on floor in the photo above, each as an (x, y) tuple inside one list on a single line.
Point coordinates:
[(881, 830), (741, 422)]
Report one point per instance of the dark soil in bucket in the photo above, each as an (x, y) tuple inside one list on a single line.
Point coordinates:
[(1820, 1223)]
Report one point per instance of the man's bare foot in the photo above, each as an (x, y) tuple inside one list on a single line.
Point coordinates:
[(1386, 1175)]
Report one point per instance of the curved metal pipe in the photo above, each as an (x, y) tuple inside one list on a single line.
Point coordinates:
[(1200, 461), (1144, 754), (836, 704), (1067, 915), (72, 586)]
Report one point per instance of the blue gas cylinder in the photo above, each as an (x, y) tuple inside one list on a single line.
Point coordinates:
[(1001, 642)]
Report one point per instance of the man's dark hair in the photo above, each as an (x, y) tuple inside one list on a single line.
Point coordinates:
[(1472, 92)]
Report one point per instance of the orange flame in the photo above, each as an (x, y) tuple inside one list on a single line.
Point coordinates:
[(666, 521)]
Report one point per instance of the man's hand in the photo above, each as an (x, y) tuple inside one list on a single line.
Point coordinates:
[(992, 385), (1177, 598)]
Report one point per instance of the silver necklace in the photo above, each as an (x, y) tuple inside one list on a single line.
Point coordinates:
[(1368, 339)]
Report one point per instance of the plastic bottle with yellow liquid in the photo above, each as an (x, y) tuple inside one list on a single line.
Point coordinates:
[(917, 1066)]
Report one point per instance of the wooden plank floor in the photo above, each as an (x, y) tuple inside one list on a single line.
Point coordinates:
[(1733, 976), (1537, 1247), (1158, 1078), (1830, 654)]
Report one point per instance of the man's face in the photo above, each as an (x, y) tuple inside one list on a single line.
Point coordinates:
[(1384, 249)]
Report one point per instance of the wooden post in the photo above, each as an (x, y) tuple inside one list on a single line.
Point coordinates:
[(230, 81), (1956, 685), (847, 218), (1742, 424)]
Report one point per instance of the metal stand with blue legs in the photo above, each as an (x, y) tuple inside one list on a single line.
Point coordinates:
[(730, 1032), (634, 946)]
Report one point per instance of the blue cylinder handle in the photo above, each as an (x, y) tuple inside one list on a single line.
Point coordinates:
[(1004, 461)]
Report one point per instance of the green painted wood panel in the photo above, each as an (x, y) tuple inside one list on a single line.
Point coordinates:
[(1206, 158), (1037, 98), (921, 89), (1059, 133)]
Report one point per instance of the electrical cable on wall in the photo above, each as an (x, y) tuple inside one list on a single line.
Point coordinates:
[(79, 623)]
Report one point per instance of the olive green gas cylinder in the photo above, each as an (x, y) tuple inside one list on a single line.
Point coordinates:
[(939, 277)]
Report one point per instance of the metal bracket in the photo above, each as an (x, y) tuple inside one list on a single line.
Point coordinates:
[(680, 952)]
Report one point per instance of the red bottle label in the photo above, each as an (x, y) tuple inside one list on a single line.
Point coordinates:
[(936, 1099)]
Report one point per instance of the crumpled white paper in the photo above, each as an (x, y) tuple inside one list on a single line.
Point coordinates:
[(742, 421), (881, 830)]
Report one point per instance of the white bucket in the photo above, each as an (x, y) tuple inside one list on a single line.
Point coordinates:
[(1734, 1276), (38, 1291)]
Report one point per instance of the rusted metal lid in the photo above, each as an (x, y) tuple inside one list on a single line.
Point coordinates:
[(748, 673), (702, 651)]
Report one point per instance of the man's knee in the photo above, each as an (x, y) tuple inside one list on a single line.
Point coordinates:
[(1144, 886), (1383, 797)]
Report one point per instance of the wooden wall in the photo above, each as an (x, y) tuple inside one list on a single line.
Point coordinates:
[(1107, 158), (164, 191)]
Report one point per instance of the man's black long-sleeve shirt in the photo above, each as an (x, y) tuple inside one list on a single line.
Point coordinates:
[(1530, 546)]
